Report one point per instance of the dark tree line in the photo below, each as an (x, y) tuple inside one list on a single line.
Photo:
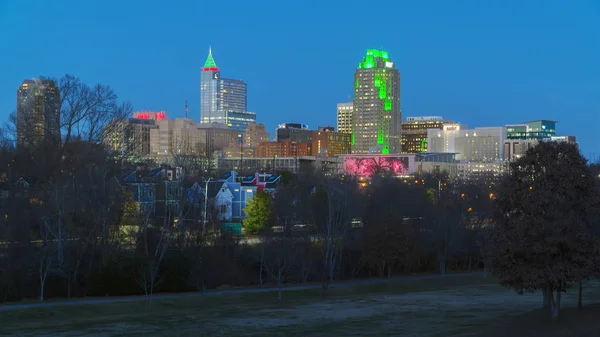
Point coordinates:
[(70, 227)]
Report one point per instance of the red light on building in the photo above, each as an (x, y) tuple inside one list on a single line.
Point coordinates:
[(161, 115), (141, 115)]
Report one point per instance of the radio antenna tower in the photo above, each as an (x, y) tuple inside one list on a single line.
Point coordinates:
[(186, 109)]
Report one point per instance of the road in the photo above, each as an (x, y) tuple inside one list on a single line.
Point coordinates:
[(108, 300)]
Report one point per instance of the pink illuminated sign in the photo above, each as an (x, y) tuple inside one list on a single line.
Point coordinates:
[(369, 165)]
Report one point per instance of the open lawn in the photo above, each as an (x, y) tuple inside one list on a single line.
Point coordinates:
[(455, 306)]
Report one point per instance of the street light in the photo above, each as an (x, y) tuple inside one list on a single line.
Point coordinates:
[(205, 205)]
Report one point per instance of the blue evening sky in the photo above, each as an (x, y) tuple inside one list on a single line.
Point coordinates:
[(483, 63)]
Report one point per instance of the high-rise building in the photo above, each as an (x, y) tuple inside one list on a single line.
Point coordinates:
[(414, 132), (344, 117), (38, 112), (223, 100), (328, 143), (376, 116)]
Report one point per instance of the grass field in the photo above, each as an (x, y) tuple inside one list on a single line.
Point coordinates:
[(457, 306)]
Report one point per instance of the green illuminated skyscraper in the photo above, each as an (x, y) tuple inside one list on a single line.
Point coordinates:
[(376, 121)]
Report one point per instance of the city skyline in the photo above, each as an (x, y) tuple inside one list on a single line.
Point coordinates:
[(491, 82)]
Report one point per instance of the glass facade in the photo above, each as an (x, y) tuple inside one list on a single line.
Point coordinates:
[(38, 112), (240, 120), (231, 95), (208, 95), (539, 129), (376, 115)]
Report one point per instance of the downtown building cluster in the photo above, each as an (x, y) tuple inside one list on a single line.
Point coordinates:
[(371, 132)]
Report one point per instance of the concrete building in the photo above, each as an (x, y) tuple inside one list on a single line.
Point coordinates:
[(131, 137), (38, 113), (247, 144), (516, 148), (182, 136), (295, 132), (273, 164), (328, 143), (376, 116), (284, 148), (414, 132), (255, 133), (485, 144), (344, 117)]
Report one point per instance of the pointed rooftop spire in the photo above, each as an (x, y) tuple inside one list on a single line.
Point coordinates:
[(210, 64)]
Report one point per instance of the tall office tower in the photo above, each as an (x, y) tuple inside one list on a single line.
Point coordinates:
[(38, 112), (209, 80), (223, 100), (344, 117), (376, 117)]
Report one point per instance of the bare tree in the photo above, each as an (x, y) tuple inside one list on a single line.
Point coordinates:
[(44, 258), (337, 221), (86, 111), (281, 254)]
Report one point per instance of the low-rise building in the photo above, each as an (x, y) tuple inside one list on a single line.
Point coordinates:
[(328, 143), (414, 132)]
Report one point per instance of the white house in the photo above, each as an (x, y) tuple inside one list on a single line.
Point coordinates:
[(220, 200)]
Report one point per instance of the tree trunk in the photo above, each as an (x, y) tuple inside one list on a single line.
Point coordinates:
[(579, 302), (546, 297), (556, 306), (279, 290), (42, 286), (485, 272), (389, 278), (443, 265), (262, 260), (469, 266)]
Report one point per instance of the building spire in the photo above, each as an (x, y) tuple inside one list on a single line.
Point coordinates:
[(210, 64)]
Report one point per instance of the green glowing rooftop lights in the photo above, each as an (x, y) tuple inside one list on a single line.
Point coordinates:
[(371, 57), (210, 61), (385, 150)]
